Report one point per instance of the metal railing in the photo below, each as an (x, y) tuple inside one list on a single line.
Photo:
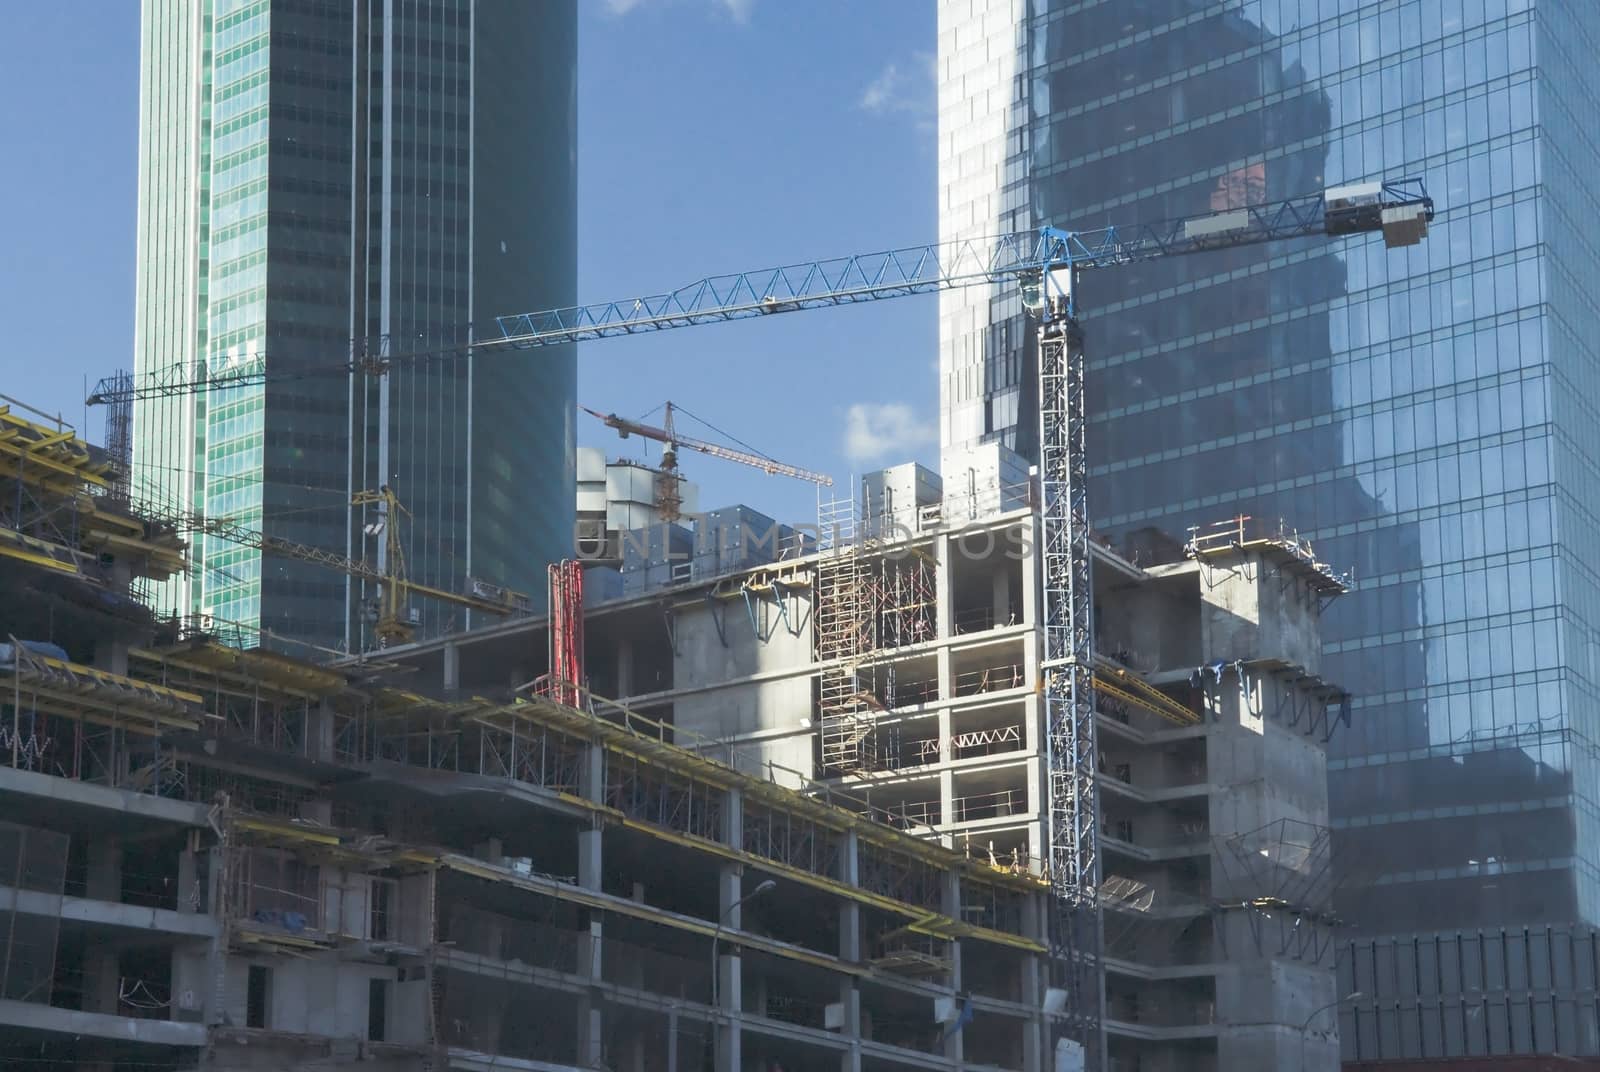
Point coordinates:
[(994, 805), (989, 679)]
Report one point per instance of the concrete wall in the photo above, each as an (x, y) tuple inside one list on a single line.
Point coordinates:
[(1156, 625), (326, 996), (1261, 1008), (1259, 607), (1264, 772), (734, 705)]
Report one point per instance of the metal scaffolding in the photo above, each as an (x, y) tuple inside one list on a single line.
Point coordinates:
[(844, 636)]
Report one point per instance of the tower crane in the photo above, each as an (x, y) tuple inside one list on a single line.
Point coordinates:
[(1044, 264), (669, 499), (394, 625)]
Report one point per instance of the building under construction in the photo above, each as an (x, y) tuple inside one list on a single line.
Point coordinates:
[(893, 663), (215, 855)]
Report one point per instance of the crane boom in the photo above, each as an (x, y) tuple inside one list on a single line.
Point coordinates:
[(716, 450), (841, 281), (490, 598)]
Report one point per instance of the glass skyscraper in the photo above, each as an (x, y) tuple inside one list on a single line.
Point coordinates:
[(1424, 415), (384, 171)]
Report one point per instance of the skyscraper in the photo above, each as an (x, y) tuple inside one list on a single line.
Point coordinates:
[(322, 181), (1421, 414)]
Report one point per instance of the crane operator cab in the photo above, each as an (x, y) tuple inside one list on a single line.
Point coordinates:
[(1361, 207)]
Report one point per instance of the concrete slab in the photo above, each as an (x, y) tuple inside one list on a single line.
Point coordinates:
[(84, 912), (31, 798), (24, 1016), (472, 1061)]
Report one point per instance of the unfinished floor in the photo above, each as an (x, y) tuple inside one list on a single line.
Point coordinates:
[(897, 674), (217, 856)]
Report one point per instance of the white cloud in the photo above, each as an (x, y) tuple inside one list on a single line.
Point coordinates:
[(621, 7), (896, 89), (880, 94), (874, 431)]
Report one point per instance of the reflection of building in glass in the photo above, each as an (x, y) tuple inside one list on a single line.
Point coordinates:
[(373, 174), (1419, 414)]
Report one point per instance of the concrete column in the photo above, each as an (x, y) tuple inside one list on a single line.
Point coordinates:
[(729, 979), (1036, 1039), (104, 878), (592, 784), (102, 978), (624, 667), (954, 1042), (489, 851), (591, 876), (1032, 564), (452, 667), (1001, 592), (111, 654), (591, 858), (947, 804), (592, 779), (190, 897), (726, 968), (214, 999), (850, 952), (101, 971), (944, 588), (591, 1037), (319, 732)]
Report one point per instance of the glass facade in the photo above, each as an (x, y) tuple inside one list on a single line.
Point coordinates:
[(388, 171), (1423, 415)]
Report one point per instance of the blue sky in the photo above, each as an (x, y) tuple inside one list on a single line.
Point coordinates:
[(715, 136)]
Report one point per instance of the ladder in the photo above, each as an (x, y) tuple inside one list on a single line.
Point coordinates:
[(843, 641)]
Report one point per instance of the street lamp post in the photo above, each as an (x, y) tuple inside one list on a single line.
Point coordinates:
[(716, 936), (1354, 995)]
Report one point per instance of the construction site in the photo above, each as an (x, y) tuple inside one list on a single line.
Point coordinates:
[(946, 780), (216, 855)]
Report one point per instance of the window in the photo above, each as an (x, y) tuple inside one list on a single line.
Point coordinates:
[(258, 996), (382, 898), (377, 1008)]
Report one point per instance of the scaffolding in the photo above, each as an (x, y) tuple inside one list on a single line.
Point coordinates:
[(844, 639), (904, 598), (60, 514)]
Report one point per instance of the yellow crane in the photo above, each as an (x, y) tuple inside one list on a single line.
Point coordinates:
[(395, 588), (669, 500)]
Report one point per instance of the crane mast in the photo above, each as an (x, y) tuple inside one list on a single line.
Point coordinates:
[(1044, 264)]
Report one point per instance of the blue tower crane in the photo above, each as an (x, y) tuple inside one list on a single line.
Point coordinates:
[(1044, 264)]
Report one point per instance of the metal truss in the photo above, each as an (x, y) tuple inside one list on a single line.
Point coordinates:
[(1287, 861), (1068, 669), (1306, 697), (999, 259)]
